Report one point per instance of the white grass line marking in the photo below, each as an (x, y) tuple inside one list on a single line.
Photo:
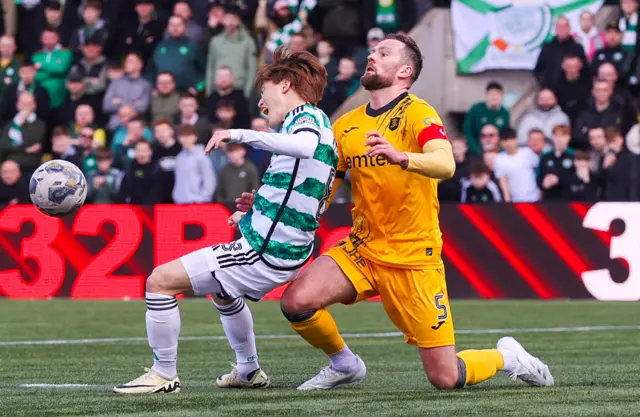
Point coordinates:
[(57, 386), (346, 335)]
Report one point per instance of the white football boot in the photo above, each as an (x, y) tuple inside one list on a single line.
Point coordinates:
[(529, 368), (233, 380), (149, 383), (329, 378)]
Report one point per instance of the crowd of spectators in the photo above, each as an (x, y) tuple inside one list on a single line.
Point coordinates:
[(581, 139), (131, 90)]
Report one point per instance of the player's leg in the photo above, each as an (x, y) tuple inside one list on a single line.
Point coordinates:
[(304, 304), (163, 329), (237, 323)]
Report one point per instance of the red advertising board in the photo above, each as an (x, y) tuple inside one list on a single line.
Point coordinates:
[(491, 251)]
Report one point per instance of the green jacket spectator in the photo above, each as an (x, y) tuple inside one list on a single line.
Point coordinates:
[(491, 111), (236, 49), (104, 186), (53, 65), (180, 56)]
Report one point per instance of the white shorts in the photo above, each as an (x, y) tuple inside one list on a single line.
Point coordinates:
[(233, 270)]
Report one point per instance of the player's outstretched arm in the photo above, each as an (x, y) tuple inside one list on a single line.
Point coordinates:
[(297, 145)]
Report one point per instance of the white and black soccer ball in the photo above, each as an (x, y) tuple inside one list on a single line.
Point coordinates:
[(58, 188)]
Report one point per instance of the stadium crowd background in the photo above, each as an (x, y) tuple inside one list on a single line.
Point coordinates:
[(131, 90)]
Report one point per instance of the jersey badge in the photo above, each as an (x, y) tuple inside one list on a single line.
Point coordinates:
[(394, 123)]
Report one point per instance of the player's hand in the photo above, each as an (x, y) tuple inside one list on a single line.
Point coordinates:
[(380, 146), (218, 138), (549, 181), (235, 219), (245, 201)]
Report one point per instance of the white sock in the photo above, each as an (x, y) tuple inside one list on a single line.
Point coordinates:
[(237, 323), (344, 361), (163, 329), (510, 360)]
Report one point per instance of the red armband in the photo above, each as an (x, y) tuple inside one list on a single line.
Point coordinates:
[(433, 131)]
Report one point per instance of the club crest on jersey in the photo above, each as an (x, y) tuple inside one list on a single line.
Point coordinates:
[(394, 123)]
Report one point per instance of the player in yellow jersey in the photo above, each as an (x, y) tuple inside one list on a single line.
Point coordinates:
[(396, 150)]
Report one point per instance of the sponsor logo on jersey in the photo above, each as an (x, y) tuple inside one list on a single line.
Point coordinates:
[(364, 161)]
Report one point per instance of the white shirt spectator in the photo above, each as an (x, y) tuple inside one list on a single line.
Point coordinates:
[(519, 171)]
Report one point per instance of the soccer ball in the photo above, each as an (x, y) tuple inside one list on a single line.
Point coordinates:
[(58, 188)]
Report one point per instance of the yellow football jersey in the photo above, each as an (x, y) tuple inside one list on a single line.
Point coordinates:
[(395, 218)]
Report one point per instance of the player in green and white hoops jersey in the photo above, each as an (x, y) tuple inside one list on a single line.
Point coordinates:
[(277, 232)]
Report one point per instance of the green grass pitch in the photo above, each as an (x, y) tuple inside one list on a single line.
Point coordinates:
[(596, 372)]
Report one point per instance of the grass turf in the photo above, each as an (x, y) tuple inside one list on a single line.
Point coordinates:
[(596, 372)]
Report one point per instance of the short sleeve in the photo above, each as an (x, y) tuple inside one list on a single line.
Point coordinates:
[(532, 159), (424, 123)]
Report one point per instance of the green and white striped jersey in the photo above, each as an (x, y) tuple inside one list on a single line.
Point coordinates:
[(281, 224)]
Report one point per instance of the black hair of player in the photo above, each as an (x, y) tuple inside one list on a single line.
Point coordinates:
[(413, 52), (494, 85), (508, 133)]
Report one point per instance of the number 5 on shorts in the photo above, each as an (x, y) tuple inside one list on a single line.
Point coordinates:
[(441, 307)]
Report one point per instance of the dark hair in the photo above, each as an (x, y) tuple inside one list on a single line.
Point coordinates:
[(307, 75), (187, 130), (60, 131), (103, 154), (136, 54), (187, 95), (611, 133), (478, 167), (143, 141), (508, 133), (493, 85), (93, 3), (413, 52), (582, 155)]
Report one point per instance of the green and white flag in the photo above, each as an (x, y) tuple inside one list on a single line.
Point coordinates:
[(508, 34)]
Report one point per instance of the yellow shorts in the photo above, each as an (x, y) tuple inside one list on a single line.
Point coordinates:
[(416, 300)]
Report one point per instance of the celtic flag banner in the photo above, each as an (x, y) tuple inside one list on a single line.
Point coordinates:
[(508, 34)]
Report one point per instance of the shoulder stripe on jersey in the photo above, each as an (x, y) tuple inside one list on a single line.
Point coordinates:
[(285, 215), (310, 187), (297, 110), (313, 119)]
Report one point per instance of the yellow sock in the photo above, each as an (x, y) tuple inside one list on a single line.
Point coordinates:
[(481, 364), (321, 332)]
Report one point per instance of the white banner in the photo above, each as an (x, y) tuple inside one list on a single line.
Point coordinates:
[(508, 34)]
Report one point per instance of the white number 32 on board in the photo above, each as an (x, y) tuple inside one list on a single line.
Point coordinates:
[(626, 246)]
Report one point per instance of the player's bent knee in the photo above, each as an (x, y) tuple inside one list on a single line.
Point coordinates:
[(298, 317), (293, 303), (167, 280), (443, 381)]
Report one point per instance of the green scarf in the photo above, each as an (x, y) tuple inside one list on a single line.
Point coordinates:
[(15, 131)]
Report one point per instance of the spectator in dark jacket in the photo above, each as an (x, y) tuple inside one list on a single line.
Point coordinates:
[(92, 66), (601, 111), (574, 88), (93, 27), (548, 69), (614, 53), (556, 166), (180, 56), (224, 90), (192, 30), (189, 116), (165, 150), (479, 188), (77, 96), (14, 186), (143, 34), (621, 95), (140, 183), (214, 24), (10, 65), (104, 181), (24, 136), (450, 190), (27, 83), (620, 168), (580, 185)]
